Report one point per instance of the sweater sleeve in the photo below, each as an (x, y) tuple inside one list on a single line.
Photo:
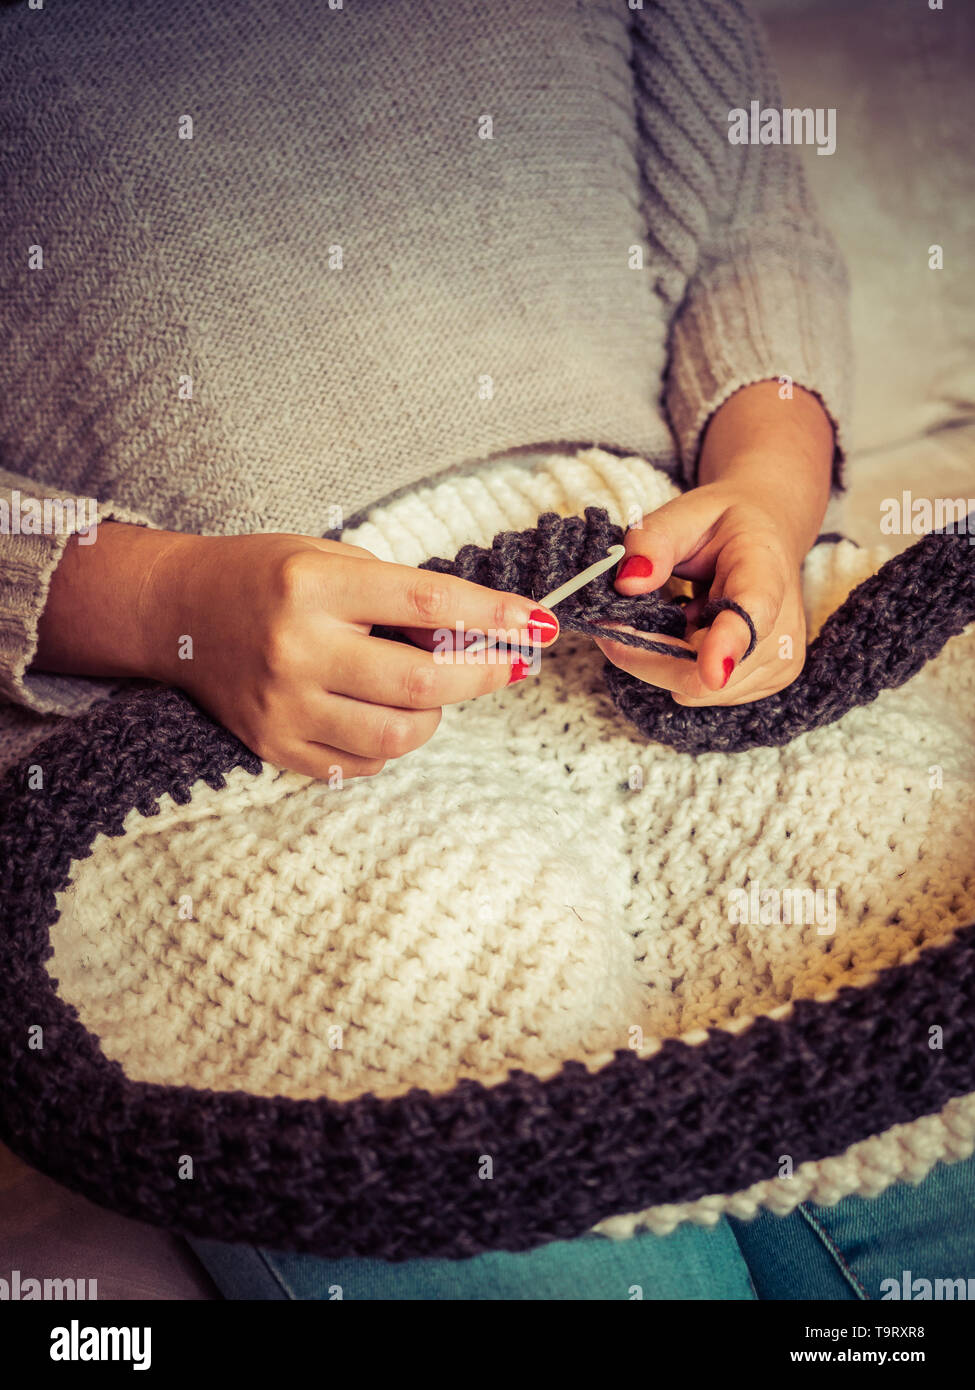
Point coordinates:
[(754, 283), (31, 545)]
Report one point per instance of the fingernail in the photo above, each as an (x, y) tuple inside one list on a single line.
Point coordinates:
[(636, 567), (542, 626), (729, 666), (519, 670)]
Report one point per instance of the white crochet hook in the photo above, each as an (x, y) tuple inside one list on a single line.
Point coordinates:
[(612, 557)]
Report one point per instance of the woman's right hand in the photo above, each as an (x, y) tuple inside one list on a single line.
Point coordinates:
[(270, 634)]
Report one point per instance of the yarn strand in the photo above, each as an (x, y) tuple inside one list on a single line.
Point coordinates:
[(887, 629)]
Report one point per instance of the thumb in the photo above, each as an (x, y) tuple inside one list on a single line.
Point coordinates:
[(661, 541)]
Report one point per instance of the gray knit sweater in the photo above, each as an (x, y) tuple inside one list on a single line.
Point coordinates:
[(403, 237)]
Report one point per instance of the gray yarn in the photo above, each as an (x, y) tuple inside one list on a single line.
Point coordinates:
[(889, 626), (537, 561)]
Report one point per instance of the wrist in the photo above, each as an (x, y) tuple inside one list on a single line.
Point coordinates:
[(166, 604), (776, 451), (91, 623)]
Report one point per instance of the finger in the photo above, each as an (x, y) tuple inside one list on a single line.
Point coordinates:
[(746, 694), (751, 575), (663, 541), (748, 684), (323, 762), (378, 591), (369, 731), (722, 647), (447, 639), (668, 672), (340, 548), (380, 672)]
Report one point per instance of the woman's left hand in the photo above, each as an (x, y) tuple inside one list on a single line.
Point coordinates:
[(730, 545)]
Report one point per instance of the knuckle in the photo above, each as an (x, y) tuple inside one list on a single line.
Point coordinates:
[(265, 750), (421, 684), (395, 736), (494, 676), (762, 611), (735, 554), (279, 652), (365, 767), (428, 599), (294, 572), (651, 534)]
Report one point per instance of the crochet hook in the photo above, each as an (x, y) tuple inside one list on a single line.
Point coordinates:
[(612, 557)]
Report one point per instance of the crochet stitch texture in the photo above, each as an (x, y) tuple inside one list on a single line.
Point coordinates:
[(487, 923), (880, 637), (536, 561)]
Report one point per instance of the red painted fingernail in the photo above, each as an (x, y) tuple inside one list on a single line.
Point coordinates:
[(542, 627), (729, 666), (636, 567), (519, 670)]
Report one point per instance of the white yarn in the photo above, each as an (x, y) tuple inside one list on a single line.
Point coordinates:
[(502, 898)]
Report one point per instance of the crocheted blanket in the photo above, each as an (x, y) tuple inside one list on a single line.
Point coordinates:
[(571, 965)]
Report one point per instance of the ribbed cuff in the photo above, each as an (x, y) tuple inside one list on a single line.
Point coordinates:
[(768, 310), (27, 564)]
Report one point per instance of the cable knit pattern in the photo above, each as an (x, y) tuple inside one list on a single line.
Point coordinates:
[(727, 223), (522, 934), (485, 300)]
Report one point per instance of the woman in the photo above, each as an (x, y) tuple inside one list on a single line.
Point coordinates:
[(275, 263)]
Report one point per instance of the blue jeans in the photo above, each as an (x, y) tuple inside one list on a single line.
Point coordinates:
[(840, 1252)]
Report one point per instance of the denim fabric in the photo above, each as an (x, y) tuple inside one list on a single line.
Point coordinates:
[(691, 1263), (846, 1251), (840, 1252)]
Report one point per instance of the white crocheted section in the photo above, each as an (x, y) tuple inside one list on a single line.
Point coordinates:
[(510, 496), (537, 882)]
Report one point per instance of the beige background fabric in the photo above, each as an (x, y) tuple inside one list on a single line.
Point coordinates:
[(901, 180)]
